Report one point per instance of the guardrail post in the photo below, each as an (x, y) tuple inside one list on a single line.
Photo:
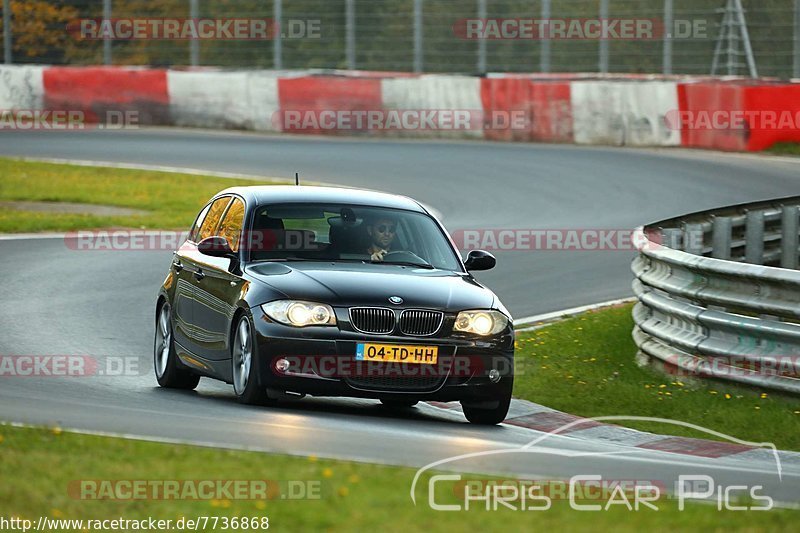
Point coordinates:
[(418, 52), (7, 32), (790, 235), (350, 33), (277, 42), (545, 51), (481, 66), (721, 238), (754, 238), (194, 44), (693, 239), (603, 43), (666, 64), (107, 41)]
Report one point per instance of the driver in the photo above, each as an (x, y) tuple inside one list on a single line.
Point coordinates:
[(381, 232)]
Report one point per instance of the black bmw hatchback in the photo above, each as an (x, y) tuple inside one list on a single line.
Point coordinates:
[(289, 291)]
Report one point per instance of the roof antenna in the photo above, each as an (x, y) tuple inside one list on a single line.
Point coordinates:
[(297, 178)]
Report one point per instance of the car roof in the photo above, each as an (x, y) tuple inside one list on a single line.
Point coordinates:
[(279, 194)]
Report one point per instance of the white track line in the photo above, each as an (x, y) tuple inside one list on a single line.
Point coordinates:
[(154, 168), (555, 315)]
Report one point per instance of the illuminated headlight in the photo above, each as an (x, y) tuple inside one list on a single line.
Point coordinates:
[(300, 314), (481, 322)]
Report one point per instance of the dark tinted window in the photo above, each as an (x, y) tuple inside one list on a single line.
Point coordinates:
[(349, 233)]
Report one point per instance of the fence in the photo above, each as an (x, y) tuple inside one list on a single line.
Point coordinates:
[(427, 35), (719, 294)]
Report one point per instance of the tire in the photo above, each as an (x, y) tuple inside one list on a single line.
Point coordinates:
[(490, 416), (244, 365), (168, 371), (399, 404)]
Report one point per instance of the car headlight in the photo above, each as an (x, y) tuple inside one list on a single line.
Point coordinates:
[(481, 322), (300, 314)]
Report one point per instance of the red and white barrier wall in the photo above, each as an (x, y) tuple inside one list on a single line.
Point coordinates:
[(623, 110)]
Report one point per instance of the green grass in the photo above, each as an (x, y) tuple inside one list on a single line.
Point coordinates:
[(38, 465), (586, 366), (785, 148), (173, 200)]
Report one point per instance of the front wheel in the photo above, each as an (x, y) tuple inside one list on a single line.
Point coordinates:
[(490, 416), (168, 372), (243, 359)]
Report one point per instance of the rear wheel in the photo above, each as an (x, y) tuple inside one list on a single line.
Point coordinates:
[(243, 359), (479, 413), (168, 372), (399, 404)]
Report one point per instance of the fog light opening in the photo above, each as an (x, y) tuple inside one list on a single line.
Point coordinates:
[(494, 375), (282, 365)]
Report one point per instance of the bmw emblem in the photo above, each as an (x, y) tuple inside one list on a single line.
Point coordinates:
[(395, 300)]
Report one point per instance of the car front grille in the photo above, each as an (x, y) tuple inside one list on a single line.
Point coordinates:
[(375, 320), (420, 322)]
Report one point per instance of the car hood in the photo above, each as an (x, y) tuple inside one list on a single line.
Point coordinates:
[(344, 284)]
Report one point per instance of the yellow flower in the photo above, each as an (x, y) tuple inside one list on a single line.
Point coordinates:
[(225, 504), (343, 491), (214, 503), (758, 408), (662, 386), (727, 396), (668, 393), (56, 430), (312, 458), (260, 505), (712, 392), (353, 478), (647, 386), (56, 513), (327, 473), (763, 395)]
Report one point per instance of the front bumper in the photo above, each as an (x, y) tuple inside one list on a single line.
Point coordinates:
[(323, 363)]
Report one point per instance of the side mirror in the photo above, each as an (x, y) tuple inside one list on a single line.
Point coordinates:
[(216, 247), (479, 260)]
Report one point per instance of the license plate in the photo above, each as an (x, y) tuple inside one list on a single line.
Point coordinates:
[(397, 353)]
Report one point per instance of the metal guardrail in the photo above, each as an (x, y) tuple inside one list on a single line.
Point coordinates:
[(719, 294)]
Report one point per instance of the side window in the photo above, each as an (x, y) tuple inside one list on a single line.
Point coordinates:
[(211, 221), (231, 227), (195, 231)]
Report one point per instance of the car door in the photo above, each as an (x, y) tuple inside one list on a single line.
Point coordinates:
[(184, 295), (191, 261), (218, 288)]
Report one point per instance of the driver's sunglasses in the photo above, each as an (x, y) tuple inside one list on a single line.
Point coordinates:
[(385, 228)]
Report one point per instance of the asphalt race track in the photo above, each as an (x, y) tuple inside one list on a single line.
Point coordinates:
[(100, 304)]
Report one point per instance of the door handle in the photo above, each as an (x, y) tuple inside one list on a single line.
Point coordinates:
[(198, 274), (177, 265)]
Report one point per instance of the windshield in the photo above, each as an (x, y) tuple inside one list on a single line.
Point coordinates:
[(338, 232)]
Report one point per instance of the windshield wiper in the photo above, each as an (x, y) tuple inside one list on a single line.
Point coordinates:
[(405, 263)]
